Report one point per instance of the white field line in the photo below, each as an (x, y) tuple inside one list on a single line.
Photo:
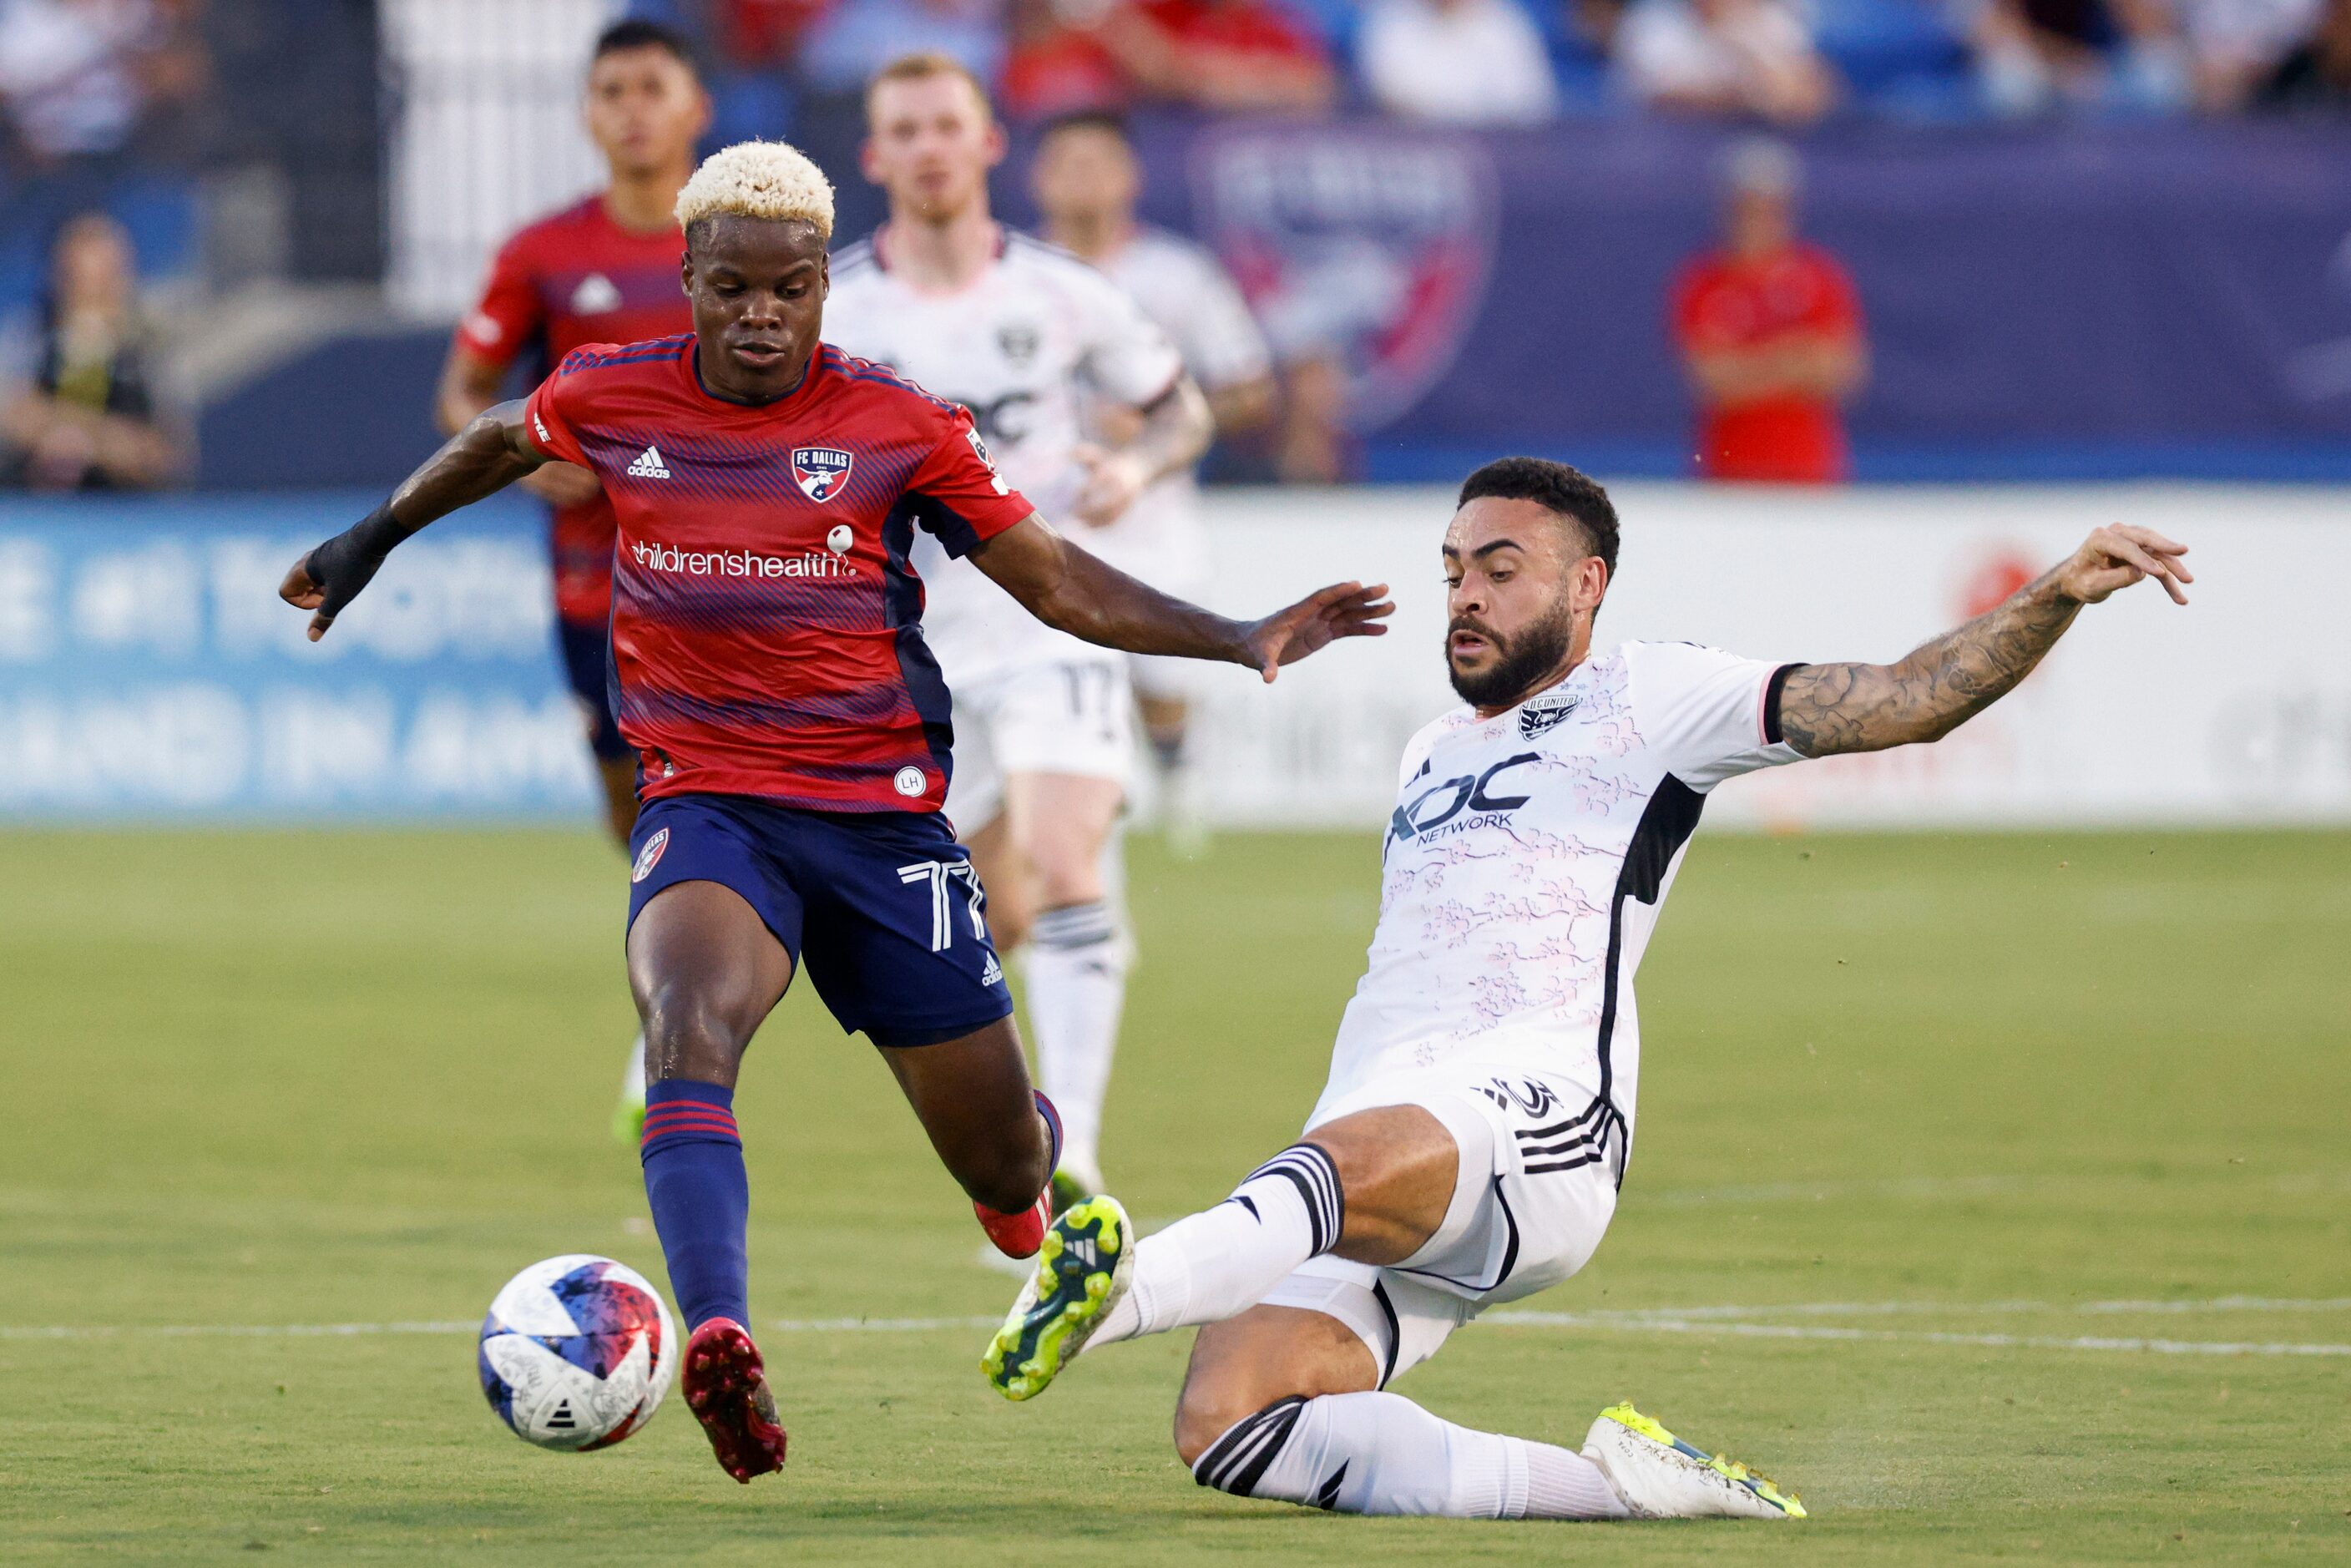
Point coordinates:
[(1630, 1315), (1914, 1336), (1725, 1320)]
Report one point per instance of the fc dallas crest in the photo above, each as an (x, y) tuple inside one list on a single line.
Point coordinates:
[(821, 470)]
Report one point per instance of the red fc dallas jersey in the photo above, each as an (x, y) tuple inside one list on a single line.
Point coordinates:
[(767, 628), (572, 278)]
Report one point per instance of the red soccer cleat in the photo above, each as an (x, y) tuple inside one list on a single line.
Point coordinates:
[(1016, 1235), (726, 1388)]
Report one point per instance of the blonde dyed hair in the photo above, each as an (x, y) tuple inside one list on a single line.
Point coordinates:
[(771, 180)]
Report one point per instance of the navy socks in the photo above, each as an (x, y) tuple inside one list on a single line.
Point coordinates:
[(700, 1198)]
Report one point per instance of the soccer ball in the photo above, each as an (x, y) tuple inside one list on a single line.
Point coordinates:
[(577, 1352)]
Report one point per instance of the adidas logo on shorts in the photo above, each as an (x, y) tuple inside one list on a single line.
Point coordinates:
[(648, 466)]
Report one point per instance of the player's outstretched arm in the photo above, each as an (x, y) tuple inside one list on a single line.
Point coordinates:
[(1172, 433), (1830, 709), (1070, 590), (489, 454)]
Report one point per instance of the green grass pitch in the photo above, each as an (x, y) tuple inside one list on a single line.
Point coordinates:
[(259, 1081)]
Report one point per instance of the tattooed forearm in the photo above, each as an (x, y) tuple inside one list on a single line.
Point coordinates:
[(1825, 709)]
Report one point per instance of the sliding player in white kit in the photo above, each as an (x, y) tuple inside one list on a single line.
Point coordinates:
[(1087, 180), (1021, 334), (1480, 1107)]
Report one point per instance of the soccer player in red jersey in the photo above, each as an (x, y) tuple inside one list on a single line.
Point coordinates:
[(1771, 331), (602, 270), (792, 732)]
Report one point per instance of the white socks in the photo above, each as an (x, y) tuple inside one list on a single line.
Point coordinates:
[(1380, 1453), (1218, 1264), (1076, 965)]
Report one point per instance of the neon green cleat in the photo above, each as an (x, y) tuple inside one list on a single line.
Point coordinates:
[(1082, 1270), (1661, 1476)]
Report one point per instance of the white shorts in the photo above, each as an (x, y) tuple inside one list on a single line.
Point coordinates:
[(1075, 716), (1528, 1210)]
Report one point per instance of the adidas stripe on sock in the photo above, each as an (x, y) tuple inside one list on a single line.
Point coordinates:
[(1380, 1453), (1218, 1263)]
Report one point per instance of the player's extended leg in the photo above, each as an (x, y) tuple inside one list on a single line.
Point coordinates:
[(705, 971), (1285, 1404), (973, 1098), (1373, 1186), (1076, 958)]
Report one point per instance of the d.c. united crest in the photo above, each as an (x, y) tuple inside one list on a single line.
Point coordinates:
[(820, 470)]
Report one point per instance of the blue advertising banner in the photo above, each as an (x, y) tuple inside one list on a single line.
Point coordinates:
[(2072, 301), (149, 670)]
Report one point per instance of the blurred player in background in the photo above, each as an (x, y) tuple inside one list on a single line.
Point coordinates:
[(1026, 337), (1479, 1114), (1770, 332), (1086, 180), (603, 270)]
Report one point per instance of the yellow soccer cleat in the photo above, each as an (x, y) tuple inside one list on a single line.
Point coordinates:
[(1661, 1476), (1082, 1270)]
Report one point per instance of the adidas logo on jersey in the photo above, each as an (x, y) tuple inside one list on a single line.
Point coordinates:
[(992, 973), (648, 466), (595, 296)]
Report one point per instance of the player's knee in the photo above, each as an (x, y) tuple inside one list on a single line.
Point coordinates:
[(1067, 876), (1207, 1411), (1065, 866), (688, 1031)]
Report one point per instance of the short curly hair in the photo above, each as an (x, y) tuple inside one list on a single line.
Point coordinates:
[(1566, 492), (771, 180)]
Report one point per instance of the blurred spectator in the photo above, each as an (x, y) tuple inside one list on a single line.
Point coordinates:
[(763, 32), (2235, 45), (1223, 55), (81, 412), (2033, 56), (1770, 332), (79, 78), (1466, 62), (1724, 57), (1057, 63), (858, 37), (2318, 74)]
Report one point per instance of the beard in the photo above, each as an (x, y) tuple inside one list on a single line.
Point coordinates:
[(1522, 660)]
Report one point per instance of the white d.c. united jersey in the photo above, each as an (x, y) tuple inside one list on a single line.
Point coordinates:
[(1196, 302), (1022, 347), (1524, 867)]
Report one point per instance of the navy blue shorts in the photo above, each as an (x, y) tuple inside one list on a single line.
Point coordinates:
[(586, 664), (883, 908)]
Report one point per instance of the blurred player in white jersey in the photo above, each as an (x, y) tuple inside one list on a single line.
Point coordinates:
[(1023, 335), (1086, 180), (1470, 1144)]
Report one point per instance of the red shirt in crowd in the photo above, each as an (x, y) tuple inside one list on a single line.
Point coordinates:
[(767, 627), (1727, 302), (1242, 27), (569, 279)]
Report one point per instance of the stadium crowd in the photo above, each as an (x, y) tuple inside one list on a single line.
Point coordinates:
[(112, 111), (1515, 62)]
